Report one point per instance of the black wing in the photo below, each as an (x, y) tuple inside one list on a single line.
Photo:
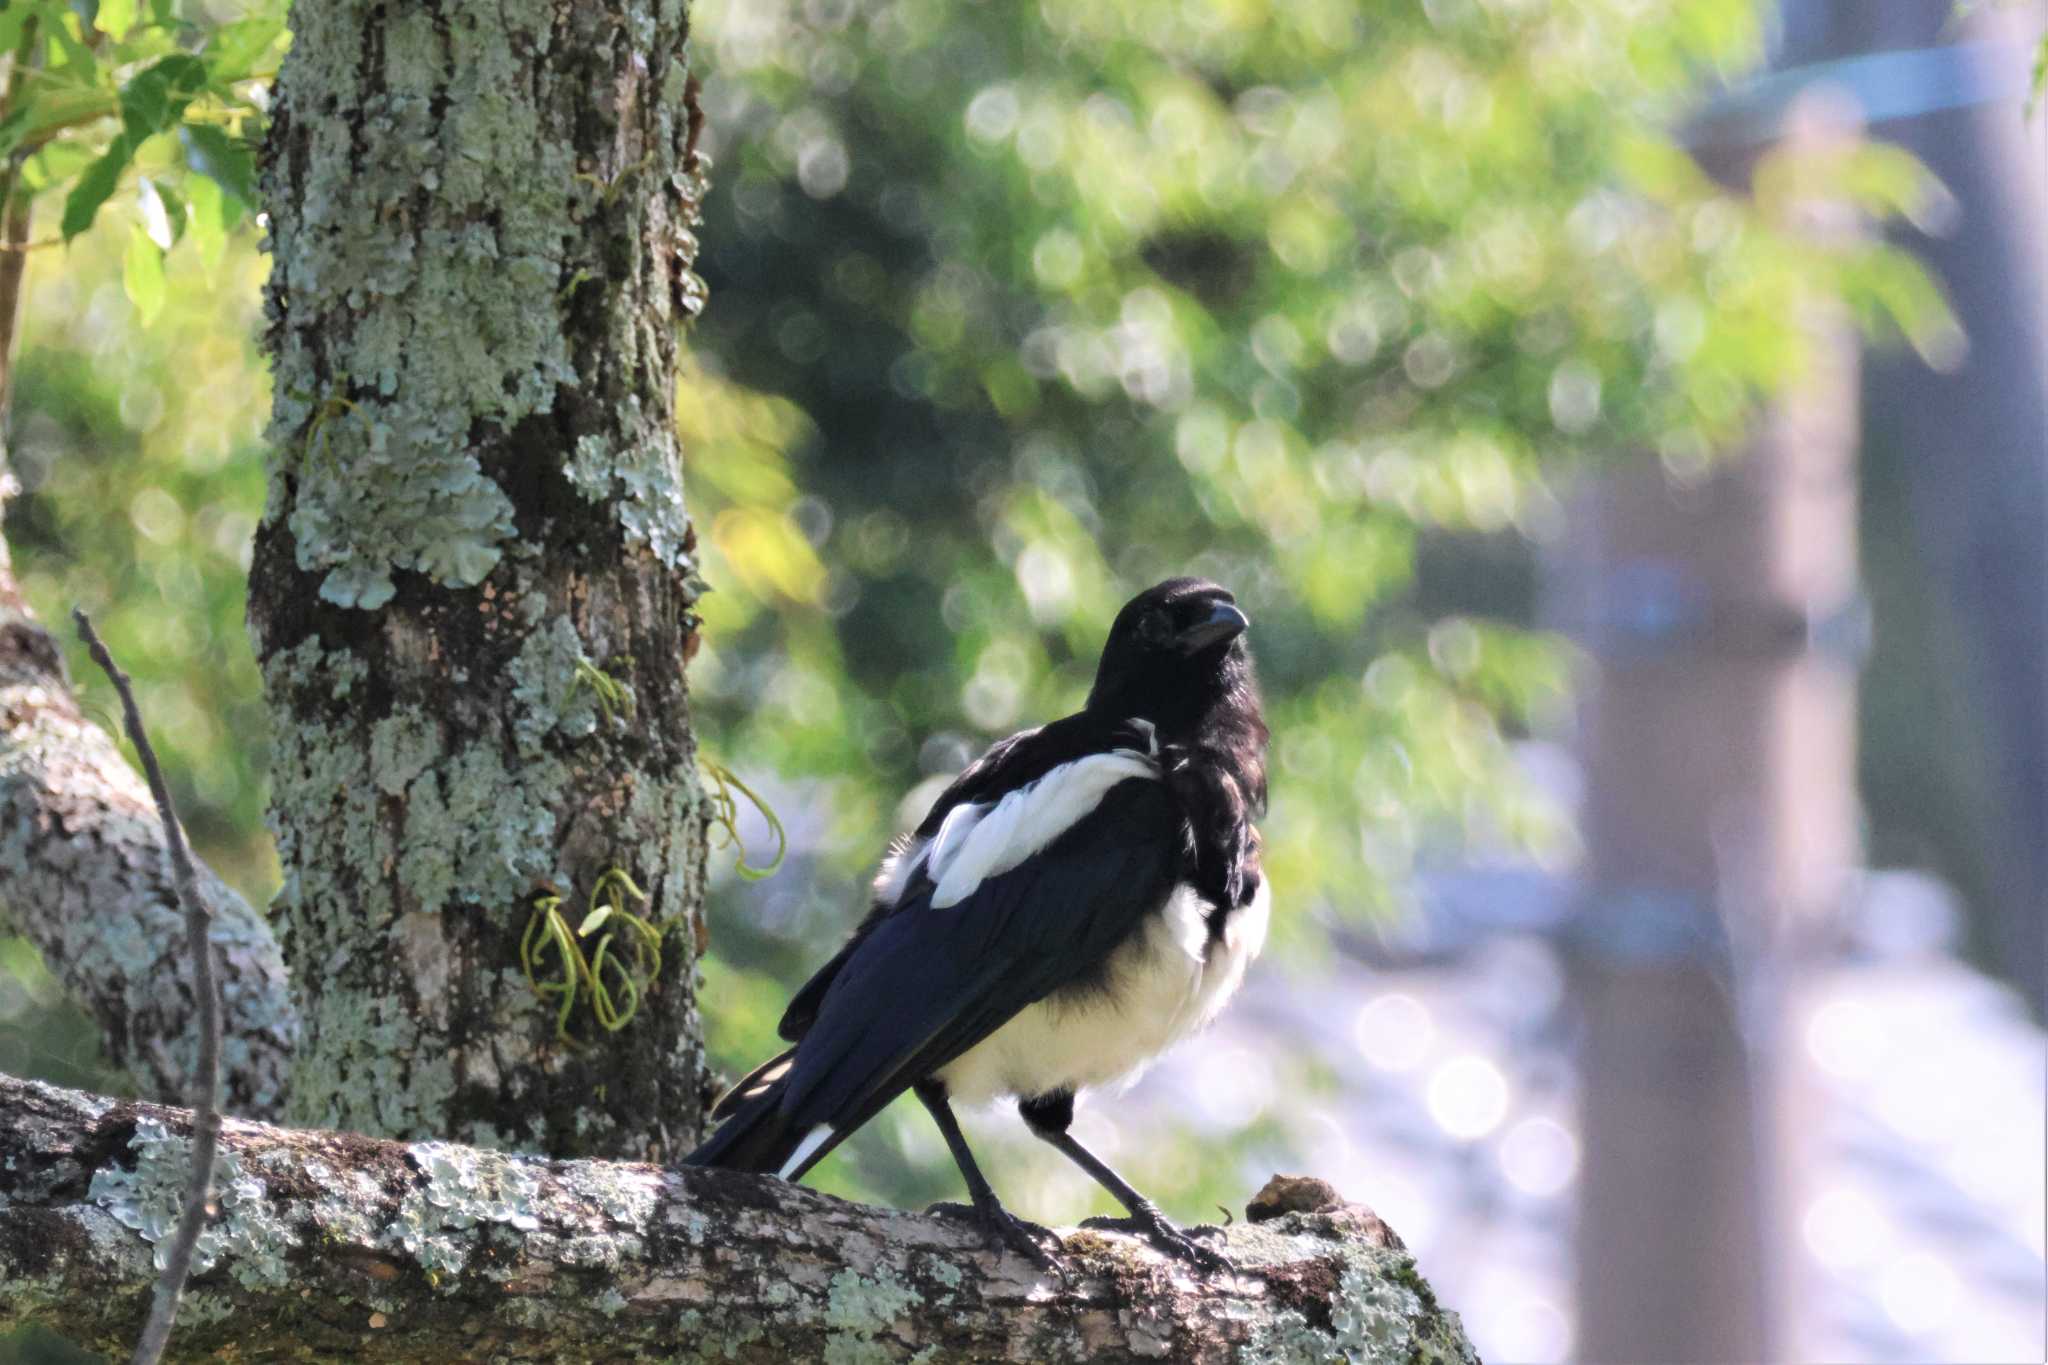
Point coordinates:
[(1008, 764), (924, 984)]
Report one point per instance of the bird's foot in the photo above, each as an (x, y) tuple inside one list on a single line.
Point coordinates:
[(1155, 1227), (1003, 1230)]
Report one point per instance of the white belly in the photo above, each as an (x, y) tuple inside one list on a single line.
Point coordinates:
[(1166, 982)]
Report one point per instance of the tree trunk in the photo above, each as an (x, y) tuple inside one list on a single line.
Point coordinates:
[(472, 584), (334, 1246)]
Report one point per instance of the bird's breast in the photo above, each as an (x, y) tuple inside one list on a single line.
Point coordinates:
[(1169, 979)]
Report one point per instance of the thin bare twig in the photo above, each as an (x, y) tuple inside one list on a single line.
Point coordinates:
[(206, 1103)]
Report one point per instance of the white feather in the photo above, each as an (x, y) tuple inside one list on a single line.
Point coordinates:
[(982, 841), (1167, 981), (952, 837), (898, 868), (812, 1141)]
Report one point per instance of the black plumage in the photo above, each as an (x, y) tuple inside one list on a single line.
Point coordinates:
[(1079, 897)]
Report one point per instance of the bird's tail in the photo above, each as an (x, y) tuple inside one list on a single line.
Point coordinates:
[(755, 1135)]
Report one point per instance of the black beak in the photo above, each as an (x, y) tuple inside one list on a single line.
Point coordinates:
[(1224, 622)]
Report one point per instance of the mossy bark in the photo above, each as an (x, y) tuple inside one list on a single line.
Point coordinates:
[(331, 1246), (472, 585)]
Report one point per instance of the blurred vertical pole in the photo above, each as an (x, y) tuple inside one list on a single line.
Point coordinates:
[(1719, 743), (1958, 462)]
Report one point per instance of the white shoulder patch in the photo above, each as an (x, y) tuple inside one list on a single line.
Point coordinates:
[(905, 856), (979, 842), (954, 830)]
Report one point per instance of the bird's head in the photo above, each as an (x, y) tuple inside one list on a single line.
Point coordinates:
[(1176, 654)]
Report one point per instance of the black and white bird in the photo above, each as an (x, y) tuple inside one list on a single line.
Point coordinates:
[(1080, 898)]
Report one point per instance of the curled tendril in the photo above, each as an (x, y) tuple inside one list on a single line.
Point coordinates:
[(623, 962), (725, 814), (613, 956)]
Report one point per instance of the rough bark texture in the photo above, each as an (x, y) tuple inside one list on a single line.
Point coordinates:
[(83, 877), (472, 583), (334, 1246)]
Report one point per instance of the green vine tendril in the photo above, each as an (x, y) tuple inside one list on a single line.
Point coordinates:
[(623, 962), (613, 956), (725, 814)]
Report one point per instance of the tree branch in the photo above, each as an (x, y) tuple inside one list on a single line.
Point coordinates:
[(83, 876), (333, 1245)]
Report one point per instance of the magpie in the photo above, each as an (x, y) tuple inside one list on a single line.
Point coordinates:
[(1081, 897)]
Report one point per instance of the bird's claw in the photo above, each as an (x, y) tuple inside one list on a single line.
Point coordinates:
[(1003, 1230), (1160, 1231)]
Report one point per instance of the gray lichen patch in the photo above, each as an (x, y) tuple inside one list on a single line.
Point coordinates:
[(461, 1188), (310, 668), (553, 689), (644, 483), (471, 834), (479, 830), (1381, 1312), (343, 1212), (147, 1199), (860, 1311), (373, 1056), (441, 234), (623, 1196), (402, 746), (442, 293)]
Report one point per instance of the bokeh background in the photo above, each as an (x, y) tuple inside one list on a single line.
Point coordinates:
[(1625, 426)]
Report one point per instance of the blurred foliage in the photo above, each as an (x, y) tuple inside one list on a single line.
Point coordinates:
[(154, 96), (1015, 310), (137, 451), (134, 445)]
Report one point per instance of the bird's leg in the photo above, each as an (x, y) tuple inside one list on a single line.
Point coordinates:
[(1048, 1118), (1001, 1227)]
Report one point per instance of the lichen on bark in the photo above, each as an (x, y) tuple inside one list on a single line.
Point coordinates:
[(83, 877), (343, 1246), (481, 220)]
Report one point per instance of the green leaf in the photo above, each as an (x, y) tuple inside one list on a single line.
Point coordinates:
[(95, 185), (115, 17), (12, 127), (77, 63), (235, 49), (142, 274), (154, 101), (12, 18), (207, 223), (211, 151), (593, 921)]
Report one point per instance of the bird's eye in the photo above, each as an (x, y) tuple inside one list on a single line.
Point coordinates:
[(1153, 628)]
